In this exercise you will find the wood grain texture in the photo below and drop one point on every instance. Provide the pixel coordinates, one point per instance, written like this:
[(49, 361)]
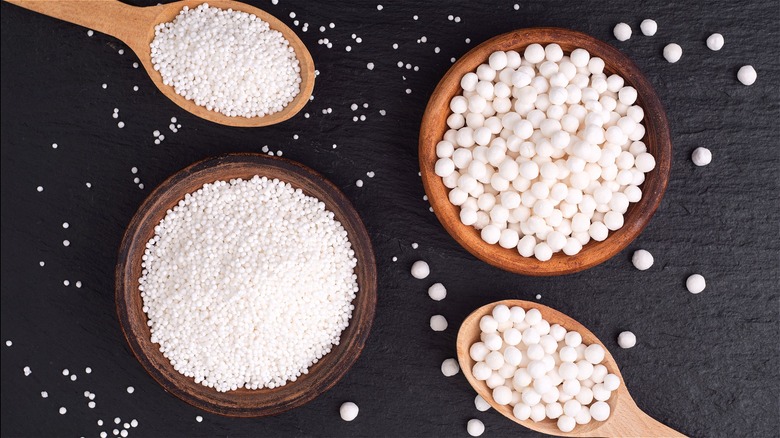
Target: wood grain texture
[(243, 402), (135, 27), (625, 420), (657, 139)]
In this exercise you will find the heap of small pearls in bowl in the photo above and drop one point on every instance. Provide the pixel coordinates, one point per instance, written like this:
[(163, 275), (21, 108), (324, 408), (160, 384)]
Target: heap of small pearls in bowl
[(541, 370), (248, 283), (544, 150)]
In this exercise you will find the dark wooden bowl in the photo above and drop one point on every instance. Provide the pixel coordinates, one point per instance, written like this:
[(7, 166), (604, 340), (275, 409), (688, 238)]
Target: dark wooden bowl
[(243, 402), (657, 138)]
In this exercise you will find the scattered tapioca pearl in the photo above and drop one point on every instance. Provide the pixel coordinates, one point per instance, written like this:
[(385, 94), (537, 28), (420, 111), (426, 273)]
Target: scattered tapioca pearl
[(121, 51), (91, 395), (701, 156), (73, 377), (66, 283), (126, 425), (54, 145), (353, 107), (89, 185), (91, 405), (100, 422), (104, 86), (622, 31), (379, 7), (370, 174), (438, 323), (626, 339), (395, 259), (44, 394), (134, 423), (747, 75), (65, 225), (382, 112), (538, 296), (348, 48), (130, 390), (135, 88), (415, 17), (86, 394), (27, 371), (42, 263), (468, 40), (88, 370), (331, 25), (117, 420), (63, 411), (437, 291), (348, 411), (420, 270), (481, 404), (370, 65), (103, 434), (123, 433), (115, 432), (295, 137), (40, 189), (672, 52), (199, 419), (450, 367), (359, 183), (408, 91), (457, 19), (136, 180), (642, 259), (415, 245), (516, 7), (135, 65), (121, 125), (648, 27), (395, 46), (475, 427), (715, 42), (90, 33), (695, 283), (65, 372), (8, 343)]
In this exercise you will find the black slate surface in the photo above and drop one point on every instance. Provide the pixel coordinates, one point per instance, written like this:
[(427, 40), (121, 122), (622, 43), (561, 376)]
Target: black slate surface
[(704, 364)]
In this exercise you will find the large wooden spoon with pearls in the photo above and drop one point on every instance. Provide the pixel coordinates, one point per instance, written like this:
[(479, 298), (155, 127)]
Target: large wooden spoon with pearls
[(625, 419), (135, 27)]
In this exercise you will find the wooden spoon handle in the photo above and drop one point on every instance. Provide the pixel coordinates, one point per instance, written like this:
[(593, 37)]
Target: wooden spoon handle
[(111, 17), (630, 421)]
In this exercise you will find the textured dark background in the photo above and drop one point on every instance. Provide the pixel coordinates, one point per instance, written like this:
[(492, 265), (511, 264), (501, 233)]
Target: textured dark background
[(704, 364)]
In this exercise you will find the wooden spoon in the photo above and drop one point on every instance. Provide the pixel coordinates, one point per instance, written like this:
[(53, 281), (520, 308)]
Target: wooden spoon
[(625, 419), (135, 27)]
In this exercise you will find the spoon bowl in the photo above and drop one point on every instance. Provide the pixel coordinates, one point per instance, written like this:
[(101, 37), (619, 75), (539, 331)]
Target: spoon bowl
[(625, 419), (135, 27)]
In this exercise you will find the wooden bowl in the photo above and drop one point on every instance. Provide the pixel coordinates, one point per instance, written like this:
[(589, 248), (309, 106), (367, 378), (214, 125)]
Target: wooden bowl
[(243, 402), (657, 138)]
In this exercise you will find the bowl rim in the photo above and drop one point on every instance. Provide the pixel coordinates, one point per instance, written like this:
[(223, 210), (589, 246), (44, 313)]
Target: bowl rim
[(432, 129), (322, 375)]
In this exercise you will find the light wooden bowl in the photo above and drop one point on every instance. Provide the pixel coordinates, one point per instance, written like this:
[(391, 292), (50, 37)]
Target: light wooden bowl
[(243, 402), (135, 27), (657, 138), (625, 419)]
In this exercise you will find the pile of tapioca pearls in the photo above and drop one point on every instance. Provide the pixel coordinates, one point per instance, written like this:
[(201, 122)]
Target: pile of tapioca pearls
[(542, 370), (544, 151)]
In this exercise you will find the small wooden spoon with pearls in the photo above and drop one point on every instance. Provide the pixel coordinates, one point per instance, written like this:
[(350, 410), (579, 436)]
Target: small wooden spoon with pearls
[(625, 419), (135, 27)]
